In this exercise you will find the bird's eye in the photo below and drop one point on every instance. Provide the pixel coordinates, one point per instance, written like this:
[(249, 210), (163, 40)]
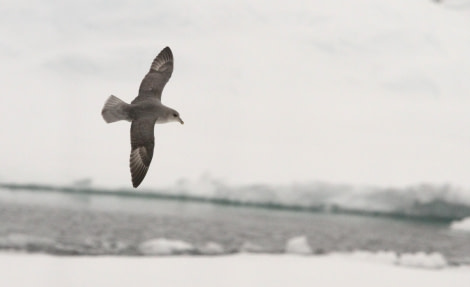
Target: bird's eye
[(175, 115)]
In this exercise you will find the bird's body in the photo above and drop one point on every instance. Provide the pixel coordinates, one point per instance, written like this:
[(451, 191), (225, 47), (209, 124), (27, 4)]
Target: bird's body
[(144, 112), (150, 109)]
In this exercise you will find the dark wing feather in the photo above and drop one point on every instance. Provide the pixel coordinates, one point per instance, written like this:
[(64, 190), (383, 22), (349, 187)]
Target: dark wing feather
[(142, 143), (160, 72)]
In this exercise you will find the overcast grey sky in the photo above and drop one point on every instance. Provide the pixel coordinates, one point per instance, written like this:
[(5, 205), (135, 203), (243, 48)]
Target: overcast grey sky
[(368, 91)]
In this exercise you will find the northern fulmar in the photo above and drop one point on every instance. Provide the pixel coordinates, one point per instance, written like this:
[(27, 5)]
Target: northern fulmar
[(144, 112)]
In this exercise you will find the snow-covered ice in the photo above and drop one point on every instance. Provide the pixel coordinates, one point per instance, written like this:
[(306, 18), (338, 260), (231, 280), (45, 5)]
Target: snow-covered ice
[(22, 270)]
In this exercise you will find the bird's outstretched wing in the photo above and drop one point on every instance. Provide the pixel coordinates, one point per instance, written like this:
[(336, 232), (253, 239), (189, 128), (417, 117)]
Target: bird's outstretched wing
[(142, 143), (160, 72)]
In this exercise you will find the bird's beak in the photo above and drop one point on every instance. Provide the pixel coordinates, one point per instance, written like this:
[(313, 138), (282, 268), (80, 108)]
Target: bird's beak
[(180, 120)]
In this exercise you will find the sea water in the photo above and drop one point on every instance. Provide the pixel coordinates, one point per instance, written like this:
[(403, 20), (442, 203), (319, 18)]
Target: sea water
[(94, 223)]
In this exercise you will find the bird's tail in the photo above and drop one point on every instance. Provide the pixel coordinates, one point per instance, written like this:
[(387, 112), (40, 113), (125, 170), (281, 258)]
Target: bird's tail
[(115, 110)]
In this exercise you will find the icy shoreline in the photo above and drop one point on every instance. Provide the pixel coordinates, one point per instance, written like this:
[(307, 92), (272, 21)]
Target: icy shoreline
[(163, 247)]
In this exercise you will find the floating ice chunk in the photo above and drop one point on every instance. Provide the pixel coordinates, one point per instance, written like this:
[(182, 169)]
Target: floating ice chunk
[(163, 246), (423, 260), (463, 224), (212, 248), (249, 247), (298, 245)]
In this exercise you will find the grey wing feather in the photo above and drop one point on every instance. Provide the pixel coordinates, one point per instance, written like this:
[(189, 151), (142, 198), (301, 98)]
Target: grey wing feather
[(142, 143), (160, 72)]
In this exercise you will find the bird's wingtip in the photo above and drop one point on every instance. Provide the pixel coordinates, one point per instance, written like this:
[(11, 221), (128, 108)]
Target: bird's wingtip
[(168, 50)]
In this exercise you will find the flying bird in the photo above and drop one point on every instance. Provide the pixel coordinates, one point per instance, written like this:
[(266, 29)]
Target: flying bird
[(144, 112)]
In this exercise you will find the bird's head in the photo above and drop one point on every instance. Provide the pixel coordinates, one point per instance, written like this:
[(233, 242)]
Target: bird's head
[(174, 116)]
